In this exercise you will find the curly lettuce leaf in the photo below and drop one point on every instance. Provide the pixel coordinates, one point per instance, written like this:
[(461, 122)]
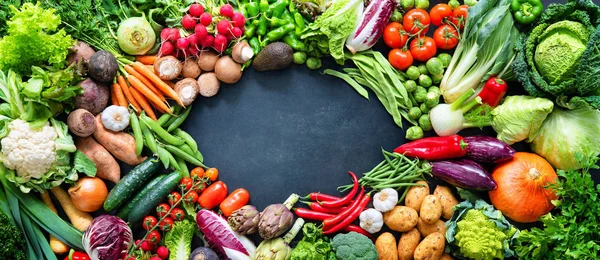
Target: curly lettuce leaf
[(179, 239)]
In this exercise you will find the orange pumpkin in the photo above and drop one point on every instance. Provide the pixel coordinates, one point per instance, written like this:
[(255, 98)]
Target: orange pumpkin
[(523, 194)]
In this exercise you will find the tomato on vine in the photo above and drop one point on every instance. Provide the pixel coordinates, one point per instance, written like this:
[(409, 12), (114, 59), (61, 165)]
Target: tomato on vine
[(416, 21), (423, 48), (162, 209), (197, 173), (153, 237), (177, 214), (174, 198), (212, 174), (394, 35), (459, 16), (166, 224), (186, 183), (400, 58), (440, 12), (149, 222), (446, 37), (191, 197)]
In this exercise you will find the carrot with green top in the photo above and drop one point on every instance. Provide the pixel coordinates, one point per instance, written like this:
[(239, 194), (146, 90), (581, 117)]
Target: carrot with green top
[(118, 92), (145, 80), (146, 59), (153, 98)]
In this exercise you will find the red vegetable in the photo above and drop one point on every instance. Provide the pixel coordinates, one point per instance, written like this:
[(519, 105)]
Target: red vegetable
[(346, 199), (317, 196), (213, 195), (435, 148), (364, 201), (312, 215), (162, 209), (177, 214), (153, 237), (174, 198), (328, 223), (73, 255), (357, 229), (237, 199), (317, 207), (149, 222), (493, 91), (166, 224)]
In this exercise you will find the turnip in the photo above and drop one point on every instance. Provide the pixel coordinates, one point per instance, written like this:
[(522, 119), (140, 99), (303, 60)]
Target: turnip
[(207, 61), (136, 36), (168, 67), (228, 70), (208, 84), (196, 10), (188, 22)]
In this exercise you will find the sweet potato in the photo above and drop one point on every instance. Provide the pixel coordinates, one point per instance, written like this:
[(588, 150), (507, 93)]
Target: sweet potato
[(107, 166), (432, 247), (119, 144), (447, 199), (416, 195), (408, 243), (446, 257), (401, 218), (431, 209), (428, 229), (386, 247)]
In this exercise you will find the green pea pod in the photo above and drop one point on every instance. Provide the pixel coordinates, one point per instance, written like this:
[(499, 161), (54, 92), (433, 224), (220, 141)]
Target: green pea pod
[(163, 156), (161, 132), (137, 133), (180, 119), (199, 156), (176, 112), (300, 25), (262, 25), (252, 9), (255, 44), (187, 157), (186, 148), (183, 167), (292, 40), (278, 33), (187, 138), (149, 138), (166, 116)]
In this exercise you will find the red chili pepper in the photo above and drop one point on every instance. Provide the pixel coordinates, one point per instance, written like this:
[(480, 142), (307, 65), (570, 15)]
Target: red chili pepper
[(317, 196), (328, 223), (435, 148), (493, 91), (73, 255), (346, 199), (317, 207), (312, 215), (353, 215), (357, 229)]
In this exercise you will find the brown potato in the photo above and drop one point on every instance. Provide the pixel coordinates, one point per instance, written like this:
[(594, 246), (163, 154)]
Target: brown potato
[(386, 247), (431, 248), (401, 218), (446, 257), (408, 243), (428, 229), (447, 199), (416, 195), (431, 209)]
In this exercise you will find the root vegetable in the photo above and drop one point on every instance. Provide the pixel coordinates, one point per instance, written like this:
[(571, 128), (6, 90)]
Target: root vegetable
[(81, 122), (242, 52), (416, 195), (191, 69), (80, 220), (447, 199), (208, 84), (228, 70), (168, 68), (431, 209), (94, 98), (187, 89), (115, 118), (408, 243), (386, 246), (103, 66), (106, 165), (119, 144), (207, 61), (88, 194), (427, 229), (401, 218), (432, 247), (80, 52), (58, 247)]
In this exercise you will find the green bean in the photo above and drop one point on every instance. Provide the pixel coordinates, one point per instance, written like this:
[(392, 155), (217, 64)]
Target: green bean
[(166, 117), (163, 155), (179, 120), (161, 132), (137, 133), (149, 138), (187, 157), (186, 148), (183, 166), (173, 163), (187, 138)]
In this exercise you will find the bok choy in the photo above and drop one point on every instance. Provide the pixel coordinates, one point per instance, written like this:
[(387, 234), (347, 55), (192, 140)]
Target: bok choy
[(486, 48)]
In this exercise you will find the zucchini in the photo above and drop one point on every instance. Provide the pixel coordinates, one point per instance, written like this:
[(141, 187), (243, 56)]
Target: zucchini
[(154, 197), (132, 182), (123, 212)]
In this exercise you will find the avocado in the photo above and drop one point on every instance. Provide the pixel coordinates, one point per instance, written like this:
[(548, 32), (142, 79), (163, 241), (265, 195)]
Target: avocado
[(274, 56)]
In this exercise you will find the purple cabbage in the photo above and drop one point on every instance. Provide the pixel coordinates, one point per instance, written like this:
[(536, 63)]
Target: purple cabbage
[(463, 173), (371, 25), (220, 237), (487, 149), (107, 238)]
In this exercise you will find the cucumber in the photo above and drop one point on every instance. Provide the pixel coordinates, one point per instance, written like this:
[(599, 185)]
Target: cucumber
[(132, 182), (123, 212), (154, 197)]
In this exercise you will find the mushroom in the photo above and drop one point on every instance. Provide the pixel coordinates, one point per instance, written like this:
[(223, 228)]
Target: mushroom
[(208, 84), (168, 68), (242, 52), (191, 69), (187, 89), (228, 70), (207, 60)]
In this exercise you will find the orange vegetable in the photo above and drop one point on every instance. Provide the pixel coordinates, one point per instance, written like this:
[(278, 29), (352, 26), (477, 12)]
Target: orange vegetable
[(146, 59), (120, 144), (159, 83), (237, 199), (125, 88), (137, 84), (108, 167), (213, 195), (144, 103), (144, 80), (523, 194), (116, 88), (88, 194), (212, 174)]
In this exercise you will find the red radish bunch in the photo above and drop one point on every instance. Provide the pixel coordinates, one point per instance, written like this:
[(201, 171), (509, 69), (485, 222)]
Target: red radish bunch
[(202, 30)]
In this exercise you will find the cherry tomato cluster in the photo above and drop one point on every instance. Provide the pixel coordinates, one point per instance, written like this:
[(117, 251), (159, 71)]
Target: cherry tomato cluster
[(408, 40), (202, 30)]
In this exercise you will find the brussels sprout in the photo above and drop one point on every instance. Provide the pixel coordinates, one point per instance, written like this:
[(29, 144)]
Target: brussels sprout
[(300, 57), (414, 113), (396, 16), (422, 4), (420, 94), (413, 72), (424, 108), (432, 99), (434, 89), (407, 4), (423, 69), (425, 81), (445, 57), (437, 78), (414, 133), (435, 66), (410, 86), (425, 123), (313, 63)]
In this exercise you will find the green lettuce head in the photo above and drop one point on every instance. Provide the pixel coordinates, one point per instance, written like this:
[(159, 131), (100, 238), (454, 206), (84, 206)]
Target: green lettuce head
[(520, 117)]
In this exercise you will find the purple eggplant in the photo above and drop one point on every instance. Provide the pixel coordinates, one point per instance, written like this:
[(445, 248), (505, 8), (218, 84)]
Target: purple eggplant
[(487, 149), (463, 173), (371, 25)]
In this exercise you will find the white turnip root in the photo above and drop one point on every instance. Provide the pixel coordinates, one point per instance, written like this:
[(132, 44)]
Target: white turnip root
[(228, 70), (187, 89), (168, 68), (208, 84)]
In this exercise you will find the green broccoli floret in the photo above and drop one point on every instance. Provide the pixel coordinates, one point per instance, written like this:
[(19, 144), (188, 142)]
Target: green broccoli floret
[(354, 246), (478, 237), (12, 243)]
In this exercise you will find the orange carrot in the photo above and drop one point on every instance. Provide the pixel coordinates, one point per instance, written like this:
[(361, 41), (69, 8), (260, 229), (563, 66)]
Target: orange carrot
[(119, 95), (150, 67), (113, 97), (125, 88), (144, 103), (171, 84), (146, 59), (137, 84), (146, 82), (159, 83)]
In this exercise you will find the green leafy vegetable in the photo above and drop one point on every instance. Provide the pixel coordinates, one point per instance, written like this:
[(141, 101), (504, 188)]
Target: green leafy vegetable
[(573, 232), (179, 239), (12, 244), (520, 118), (33, 39), (314, 245)]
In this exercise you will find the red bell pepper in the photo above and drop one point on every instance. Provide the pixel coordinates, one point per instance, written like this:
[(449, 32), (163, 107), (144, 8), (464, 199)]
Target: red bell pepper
[(493, 91), (73, 255), (435, 148)]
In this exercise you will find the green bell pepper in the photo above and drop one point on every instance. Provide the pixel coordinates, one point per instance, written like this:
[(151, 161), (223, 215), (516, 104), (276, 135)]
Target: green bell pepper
[(527, 11)]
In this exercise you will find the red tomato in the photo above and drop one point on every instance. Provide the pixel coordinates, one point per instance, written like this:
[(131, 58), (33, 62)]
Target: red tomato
[(459, 16), (186, 183), (213, 195), (400, 59), (191, 197), (446, 37), (237, 199), (149, 222), (440, 12), (162, 209), (153, 237), (174, 198), (197, 173), (212, 174), (422, 49), (166, 224), (416, 21), (177, 214), (394, 35)]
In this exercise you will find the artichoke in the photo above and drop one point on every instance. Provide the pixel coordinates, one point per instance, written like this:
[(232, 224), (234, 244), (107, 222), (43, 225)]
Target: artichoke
[(278, 248), (275, 219), (244, 220)]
